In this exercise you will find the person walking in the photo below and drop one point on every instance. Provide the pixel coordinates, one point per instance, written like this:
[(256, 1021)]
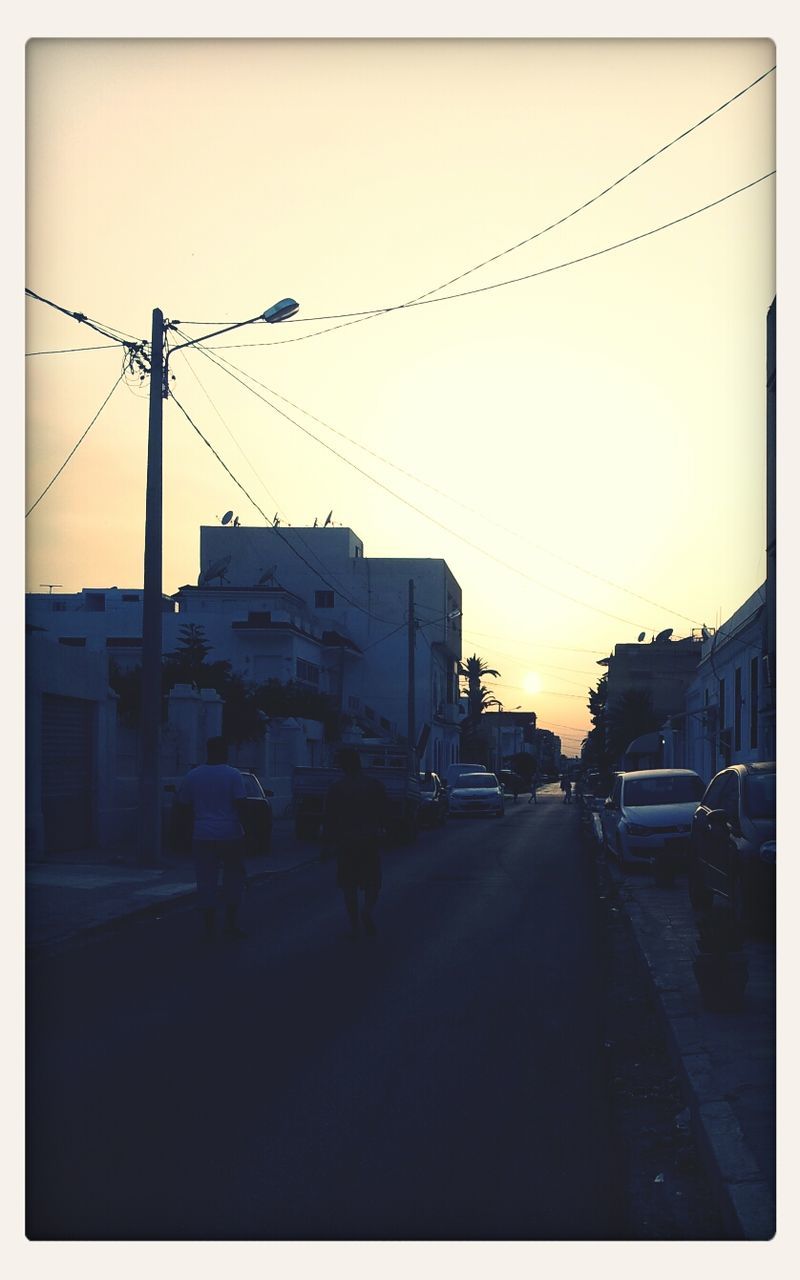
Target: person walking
[(353, 823), (214, 793), (534, 785), (566, 787)]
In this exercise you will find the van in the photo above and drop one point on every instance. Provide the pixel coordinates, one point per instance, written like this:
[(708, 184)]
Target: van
[(454, 771)]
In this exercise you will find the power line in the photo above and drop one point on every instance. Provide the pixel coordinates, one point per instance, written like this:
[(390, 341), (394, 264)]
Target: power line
[(544, 230), (502, 284), (261, 512), (76, 445), (126, 341), (64, 351), (457, 501), (433, 520)]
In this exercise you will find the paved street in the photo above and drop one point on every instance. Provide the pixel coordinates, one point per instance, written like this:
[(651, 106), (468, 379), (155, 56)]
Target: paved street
[(439, 1081)]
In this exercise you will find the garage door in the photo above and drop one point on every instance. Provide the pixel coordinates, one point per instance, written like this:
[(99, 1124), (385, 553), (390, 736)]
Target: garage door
[(66, 772)]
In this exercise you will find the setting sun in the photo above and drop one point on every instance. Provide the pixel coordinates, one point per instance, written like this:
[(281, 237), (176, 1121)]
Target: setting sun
[(532, 682)]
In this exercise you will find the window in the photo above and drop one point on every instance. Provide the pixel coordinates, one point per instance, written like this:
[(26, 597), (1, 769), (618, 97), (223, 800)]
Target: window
[(754, 702), (308, 672), (722, 704), (58, 606), (667, 789), (737, 709), (714, 791), (323, 599), (95, 602), (130, 599), (77, 642), (728, 798)]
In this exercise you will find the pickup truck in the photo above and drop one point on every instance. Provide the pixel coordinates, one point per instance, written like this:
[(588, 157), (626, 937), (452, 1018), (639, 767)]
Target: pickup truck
[(395, 767)]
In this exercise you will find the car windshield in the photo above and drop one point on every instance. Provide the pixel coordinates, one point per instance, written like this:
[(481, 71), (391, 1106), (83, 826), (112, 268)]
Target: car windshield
[(427, 784), (475, 780), (669, 789), (759, 796)]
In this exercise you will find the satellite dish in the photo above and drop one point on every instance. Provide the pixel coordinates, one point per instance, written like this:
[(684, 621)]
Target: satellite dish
[(328, 519), (267, 576), (226, 519), (216, 570), (641, 636), (663, 636)]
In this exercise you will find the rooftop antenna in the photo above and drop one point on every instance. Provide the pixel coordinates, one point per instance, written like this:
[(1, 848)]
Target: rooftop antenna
[(316, 522), (236, 522), (226, 519), (275, 520), (50, 585), (328, 518)]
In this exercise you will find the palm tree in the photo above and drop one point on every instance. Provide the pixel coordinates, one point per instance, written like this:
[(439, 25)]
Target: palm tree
[(478, 696)]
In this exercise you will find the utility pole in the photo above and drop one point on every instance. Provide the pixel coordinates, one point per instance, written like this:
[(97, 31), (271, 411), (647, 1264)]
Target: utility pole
[(152, 621), (412, 627)]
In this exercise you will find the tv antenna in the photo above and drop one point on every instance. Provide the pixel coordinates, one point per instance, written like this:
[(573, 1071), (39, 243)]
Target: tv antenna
[(50, 585), (215, 570)]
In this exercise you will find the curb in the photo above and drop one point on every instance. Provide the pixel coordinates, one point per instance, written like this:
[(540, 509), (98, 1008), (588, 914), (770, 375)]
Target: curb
[(128, 919), (745, 1198)]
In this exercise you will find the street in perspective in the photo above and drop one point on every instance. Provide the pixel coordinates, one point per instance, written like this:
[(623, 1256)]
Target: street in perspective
[(400, 843)]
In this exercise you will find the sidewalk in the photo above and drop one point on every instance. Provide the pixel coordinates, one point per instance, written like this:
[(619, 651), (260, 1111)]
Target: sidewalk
[(79, 894), (726, 1060)]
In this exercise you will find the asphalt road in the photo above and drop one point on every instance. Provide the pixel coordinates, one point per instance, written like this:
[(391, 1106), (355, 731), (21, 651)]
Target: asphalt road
[(440, 1081)]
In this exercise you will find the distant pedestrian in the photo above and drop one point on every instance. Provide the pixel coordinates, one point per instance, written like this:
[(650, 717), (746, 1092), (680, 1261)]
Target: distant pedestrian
[(353, 823), (534, 785), (566, 787), (214, 792)]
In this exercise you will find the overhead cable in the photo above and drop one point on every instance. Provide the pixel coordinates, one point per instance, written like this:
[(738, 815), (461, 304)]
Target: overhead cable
[(76, 445)]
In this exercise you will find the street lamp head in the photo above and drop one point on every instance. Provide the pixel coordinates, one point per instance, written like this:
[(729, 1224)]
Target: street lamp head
[(281, 310)]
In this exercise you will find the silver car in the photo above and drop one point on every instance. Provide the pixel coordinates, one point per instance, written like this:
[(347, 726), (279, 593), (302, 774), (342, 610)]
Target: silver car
[(476, 793), (648, 817)]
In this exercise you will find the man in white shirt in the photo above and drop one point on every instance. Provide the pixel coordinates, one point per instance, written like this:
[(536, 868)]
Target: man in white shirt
[(215, 794)]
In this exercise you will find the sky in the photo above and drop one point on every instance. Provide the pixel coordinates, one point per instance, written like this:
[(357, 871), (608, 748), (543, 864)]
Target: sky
[(584, 446)]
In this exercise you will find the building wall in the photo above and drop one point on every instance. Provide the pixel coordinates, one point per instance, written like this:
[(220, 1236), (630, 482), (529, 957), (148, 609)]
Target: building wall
[(727, 714)]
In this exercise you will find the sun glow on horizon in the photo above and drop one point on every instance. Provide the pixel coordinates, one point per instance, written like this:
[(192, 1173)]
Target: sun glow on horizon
[(532, 683)]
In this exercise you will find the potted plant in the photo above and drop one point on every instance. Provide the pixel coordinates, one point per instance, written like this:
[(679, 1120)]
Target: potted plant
[(720, 965)]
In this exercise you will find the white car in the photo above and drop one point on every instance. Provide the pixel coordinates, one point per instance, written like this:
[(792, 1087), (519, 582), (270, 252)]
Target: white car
[(476, 793), (454, 771), (647, 819)]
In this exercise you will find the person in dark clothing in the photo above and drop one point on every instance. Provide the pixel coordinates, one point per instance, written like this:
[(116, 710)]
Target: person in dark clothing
[(566, 787), (534, 785), (353, 823)]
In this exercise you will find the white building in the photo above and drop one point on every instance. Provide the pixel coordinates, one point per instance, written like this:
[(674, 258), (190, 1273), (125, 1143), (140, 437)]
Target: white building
[(360, 609)]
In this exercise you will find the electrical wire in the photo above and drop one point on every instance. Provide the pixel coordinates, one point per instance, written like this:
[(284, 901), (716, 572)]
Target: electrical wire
[(261, 512), (559, 222), (502, 284), (64, 351), (432, 519), (77, 444), (106, 332), (457, 501)]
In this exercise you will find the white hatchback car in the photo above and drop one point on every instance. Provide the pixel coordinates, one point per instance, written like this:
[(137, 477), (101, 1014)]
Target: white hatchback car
[(648, 817), (476, 793)]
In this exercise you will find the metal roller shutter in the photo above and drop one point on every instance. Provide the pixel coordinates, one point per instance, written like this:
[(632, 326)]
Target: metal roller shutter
[(66, 772)]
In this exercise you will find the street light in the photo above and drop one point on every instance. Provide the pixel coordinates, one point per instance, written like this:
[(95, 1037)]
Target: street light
[(150, 721)]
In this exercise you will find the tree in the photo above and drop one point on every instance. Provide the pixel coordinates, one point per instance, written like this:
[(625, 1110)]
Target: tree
[(478, 696), (628, 717)]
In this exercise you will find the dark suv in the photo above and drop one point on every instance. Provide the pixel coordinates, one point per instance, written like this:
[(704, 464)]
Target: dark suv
[(732, 845)]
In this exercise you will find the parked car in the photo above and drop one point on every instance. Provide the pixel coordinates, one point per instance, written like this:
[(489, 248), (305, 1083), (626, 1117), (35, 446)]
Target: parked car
[(732, 845), (454, 771), (433, 800), (648, 817), (256, 820), (476, 793)]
